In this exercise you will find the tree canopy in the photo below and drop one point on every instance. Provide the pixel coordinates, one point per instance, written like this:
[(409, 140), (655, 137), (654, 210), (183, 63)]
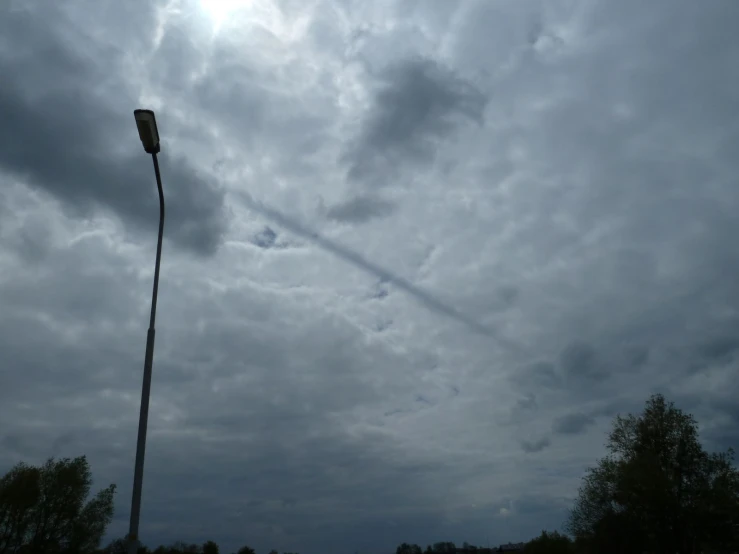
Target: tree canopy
[(657, 489), (45, 509), (549, 543)]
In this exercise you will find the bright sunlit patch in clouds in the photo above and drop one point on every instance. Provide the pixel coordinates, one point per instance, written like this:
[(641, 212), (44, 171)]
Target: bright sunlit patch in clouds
[(220, 10)]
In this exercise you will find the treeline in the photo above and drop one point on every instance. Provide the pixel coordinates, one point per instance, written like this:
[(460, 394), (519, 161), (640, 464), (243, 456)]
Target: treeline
[(436, 548), (445, 548), (120, 546), (656, 491)]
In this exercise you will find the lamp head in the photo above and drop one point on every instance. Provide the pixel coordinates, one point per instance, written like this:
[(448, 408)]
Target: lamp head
[(146, 123)]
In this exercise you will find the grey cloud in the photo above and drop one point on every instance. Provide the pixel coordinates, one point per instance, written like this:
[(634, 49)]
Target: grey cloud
[(271, 417), (63, 127), (266, 419), (328, 473), (508, 294), (379, 291), (32, 240), (344, 253), (638, 356), (539, 374), (572, 424), (418, 103), (579, 363), (265, 238), (528, 402), (719, 348), (360, 209), (531, 447)]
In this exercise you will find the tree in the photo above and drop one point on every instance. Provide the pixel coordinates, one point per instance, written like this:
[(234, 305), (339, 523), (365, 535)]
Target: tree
[(44, 509), (210, 547), (185, 548), (120, 546), (657, 489), (250, 550), (549, 543), (406, 548)]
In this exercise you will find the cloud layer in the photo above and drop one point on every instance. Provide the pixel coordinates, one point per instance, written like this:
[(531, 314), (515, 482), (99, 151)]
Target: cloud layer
[(418, 255)]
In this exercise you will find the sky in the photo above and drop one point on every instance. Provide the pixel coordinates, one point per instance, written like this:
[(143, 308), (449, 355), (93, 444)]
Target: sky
[(417, 256)]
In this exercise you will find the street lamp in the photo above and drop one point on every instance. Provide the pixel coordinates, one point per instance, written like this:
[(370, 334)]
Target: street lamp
[(149, 135)]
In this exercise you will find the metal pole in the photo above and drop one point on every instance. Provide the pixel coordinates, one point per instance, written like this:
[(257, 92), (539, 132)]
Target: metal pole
[(138, 476)]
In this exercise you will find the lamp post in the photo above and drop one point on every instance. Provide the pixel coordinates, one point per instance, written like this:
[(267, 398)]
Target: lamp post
[(149, 135)]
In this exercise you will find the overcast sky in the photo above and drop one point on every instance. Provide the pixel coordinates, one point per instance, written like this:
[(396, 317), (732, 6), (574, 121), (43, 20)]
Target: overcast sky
[(418, 254)]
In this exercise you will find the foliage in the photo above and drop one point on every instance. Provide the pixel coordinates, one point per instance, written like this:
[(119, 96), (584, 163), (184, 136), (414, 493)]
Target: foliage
[(210, 548), (657, 490), (406, 548), (120, 546), (549, 543), (44, 509), (180, 547)]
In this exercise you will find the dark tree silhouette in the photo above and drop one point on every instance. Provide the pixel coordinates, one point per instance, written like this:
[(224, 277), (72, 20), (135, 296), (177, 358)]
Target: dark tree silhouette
[(45, 509), (549, 543), (657, 490), (406, 548), (210, 547), (120, 546)]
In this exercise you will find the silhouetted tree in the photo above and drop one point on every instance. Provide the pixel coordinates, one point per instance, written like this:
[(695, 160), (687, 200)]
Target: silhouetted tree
[(444, 548), (187, 548), (549, 543), (406, 548), (44, 509), (250, 550), (120, 546), (657, 489)]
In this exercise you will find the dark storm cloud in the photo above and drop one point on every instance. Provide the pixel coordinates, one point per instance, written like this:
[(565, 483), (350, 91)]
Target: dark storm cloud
[(419, 102), (531, 447), (360, 209), (65, 119), (572, 424)]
